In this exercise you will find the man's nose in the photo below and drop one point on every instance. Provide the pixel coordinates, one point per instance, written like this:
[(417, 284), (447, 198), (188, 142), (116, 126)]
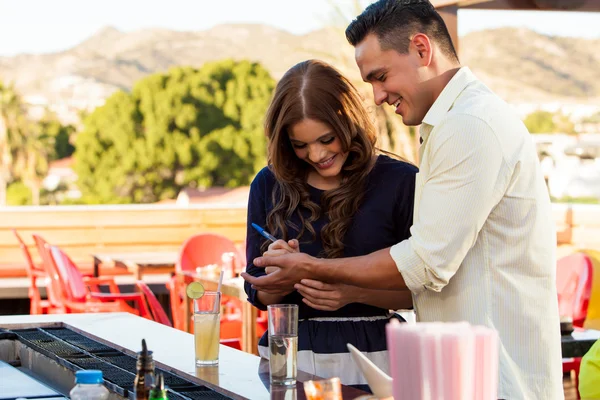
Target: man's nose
[(379, 95)]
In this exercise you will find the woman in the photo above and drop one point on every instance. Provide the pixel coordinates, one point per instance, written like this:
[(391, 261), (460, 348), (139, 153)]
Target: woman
[(327, 186)]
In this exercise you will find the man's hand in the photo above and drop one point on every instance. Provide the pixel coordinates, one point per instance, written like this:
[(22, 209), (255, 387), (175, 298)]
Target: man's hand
[(326, 296), (291, 269)]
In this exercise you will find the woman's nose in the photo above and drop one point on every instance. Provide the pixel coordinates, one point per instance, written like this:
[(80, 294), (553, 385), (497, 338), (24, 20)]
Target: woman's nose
[(316, 153)]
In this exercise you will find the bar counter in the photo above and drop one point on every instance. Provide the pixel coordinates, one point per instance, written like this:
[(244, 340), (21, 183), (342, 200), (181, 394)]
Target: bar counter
[(239, 375)]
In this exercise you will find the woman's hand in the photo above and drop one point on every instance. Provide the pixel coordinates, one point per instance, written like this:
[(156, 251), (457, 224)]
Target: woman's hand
[(326, 296), (280, 247)]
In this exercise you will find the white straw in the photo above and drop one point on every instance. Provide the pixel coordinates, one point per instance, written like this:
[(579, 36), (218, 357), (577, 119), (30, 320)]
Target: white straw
[(220, 281), (217, 305)]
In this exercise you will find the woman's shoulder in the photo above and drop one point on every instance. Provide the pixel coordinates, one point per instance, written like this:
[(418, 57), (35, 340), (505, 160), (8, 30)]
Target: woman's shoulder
[(264, 178), (388, 165)]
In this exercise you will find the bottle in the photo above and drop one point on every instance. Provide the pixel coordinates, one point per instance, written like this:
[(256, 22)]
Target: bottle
[(89, 385), (159, 392), (144, 378)]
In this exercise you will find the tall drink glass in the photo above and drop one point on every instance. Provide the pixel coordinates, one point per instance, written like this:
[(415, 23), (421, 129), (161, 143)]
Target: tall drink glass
[(283, 343), (207, 328)]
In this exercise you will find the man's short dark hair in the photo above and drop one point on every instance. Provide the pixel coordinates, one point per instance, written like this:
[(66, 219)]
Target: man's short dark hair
[(394, 22)]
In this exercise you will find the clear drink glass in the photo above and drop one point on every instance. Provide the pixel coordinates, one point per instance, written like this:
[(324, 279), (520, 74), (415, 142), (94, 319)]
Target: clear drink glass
[(283, 343), (207, 328)]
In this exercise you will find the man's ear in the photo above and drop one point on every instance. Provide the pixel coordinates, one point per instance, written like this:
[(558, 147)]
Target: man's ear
[(423, 48)]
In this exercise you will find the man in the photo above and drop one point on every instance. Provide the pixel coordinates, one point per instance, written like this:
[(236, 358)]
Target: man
[(483, 239)]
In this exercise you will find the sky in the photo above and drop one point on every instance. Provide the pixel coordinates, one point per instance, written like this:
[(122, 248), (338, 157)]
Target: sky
[(45, 26)]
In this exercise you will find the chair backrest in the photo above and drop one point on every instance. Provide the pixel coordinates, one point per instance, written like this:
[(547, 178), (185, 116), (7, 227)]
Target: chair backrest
[(205, 249), (574, 286), (158, 313), (54, 289), (33, 272), (176, 300), (30, 266), (71, 277)]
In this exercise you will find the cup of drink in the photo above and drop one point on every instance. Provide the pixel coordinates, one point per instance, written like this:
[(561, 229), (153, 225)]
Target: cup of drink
[(327, 389), (283, 343), (207, 328)]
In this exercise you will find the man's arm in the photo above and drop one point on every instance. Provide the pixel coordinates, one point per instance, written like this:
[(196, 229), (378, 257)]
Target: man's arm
[(375, 271)]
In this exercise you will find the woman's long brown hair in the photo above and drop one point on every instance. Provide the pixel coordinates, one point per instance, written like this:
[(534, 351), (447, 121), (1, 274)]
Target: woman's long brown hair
[(313, 89)]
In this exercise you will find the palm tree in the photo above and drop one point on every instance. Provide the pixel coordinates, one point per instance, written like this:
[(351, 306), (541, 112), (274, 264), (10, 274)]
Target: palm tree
[(31, 146), (24, 145), (10, 109)]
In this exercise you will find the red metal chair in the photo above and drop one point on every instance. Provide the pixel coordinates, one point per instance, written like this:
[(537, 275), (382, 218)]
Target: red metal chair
[(205, 249), (230, 328), (199, 251), (157, 310), (34, 272), (54, 290), (77, 293), (574, 287), (84, 294)]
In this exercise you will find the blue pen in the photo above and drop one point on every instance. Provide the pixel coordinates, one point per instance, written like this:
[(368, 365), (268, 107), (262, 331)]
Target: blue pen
[(263, 232)]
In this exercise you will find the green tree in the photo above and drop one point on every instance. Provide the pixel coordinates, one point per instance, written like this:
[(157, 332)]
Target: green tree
[(183, 128), (18, 194), (592, 119), (59, 136), (548, 122)]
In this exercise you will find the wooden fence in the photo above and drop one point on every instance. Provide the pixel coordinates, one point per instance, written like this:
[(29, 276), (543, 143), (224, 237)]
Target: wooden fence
[(84, 230)]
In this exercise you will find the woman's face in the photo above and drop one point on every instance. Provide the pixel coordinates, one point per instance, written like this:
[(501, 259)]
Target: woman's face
[(316, 143)]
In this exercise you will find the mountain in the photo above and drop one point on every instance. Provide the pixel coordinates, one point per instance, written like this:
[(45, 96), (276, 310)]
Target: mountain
[(522, 65), (519, 64)]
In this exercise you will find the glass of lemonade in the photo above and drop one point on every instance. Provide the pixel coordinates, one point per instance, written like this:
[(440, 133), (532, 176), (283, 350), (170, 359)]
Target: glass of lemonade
[(207, 328), (283, 343)]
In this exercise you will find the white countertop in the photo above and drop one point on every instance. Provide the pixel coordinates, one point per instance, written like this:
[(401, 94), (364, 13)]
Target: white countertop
[(238, 372)]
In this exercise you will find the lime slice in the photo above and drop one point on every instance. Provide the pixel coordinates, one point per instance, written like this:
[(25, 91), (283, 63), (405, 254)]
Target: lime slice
[(194, 290)]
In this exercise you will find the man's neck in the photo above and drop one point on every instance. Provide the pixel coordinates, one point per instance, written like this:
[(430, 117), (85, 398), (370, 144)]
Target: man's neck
[(441, 80)]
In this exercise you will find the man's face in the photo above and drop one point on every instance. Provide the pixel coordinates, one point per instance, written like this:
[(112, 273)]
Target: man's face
[(397, 79)]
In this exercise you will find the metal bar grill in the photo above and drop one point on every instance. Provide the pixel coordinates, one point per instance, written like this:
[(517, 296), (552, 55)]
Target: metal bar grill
[(75, 351)]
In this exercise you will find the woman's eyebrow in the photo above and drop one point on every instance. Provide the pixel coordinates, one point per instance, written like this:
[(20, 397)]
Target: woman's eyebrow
[(319, 138)]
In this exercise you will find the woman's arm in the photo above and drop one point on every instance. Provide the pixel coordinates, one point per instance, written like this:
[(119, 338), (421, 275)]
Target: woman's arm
[(257, 213), (331, 297)]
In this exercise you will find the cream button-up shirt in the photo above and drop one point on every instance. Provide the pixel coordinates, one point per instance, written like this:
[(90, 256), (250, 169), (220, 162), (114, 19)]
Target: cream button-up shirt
[(483, 239)]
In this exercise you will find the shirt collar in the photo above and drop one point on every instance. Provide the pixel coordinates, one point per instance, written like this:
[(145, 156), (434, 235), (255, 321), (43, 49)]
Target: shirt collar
[(446, 99)]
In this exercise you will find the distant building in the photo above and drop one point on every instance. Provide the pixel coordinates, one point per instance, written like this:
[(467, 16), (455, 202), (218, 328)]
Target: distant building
[(214, 195), (570, 164), (588, 127), (61, 177)]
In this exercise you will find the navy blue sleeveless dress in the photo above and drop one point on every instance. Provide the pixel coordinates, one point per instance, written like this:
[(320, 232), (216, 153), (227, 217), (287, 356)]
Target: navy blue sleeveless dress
[(383, 219)]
